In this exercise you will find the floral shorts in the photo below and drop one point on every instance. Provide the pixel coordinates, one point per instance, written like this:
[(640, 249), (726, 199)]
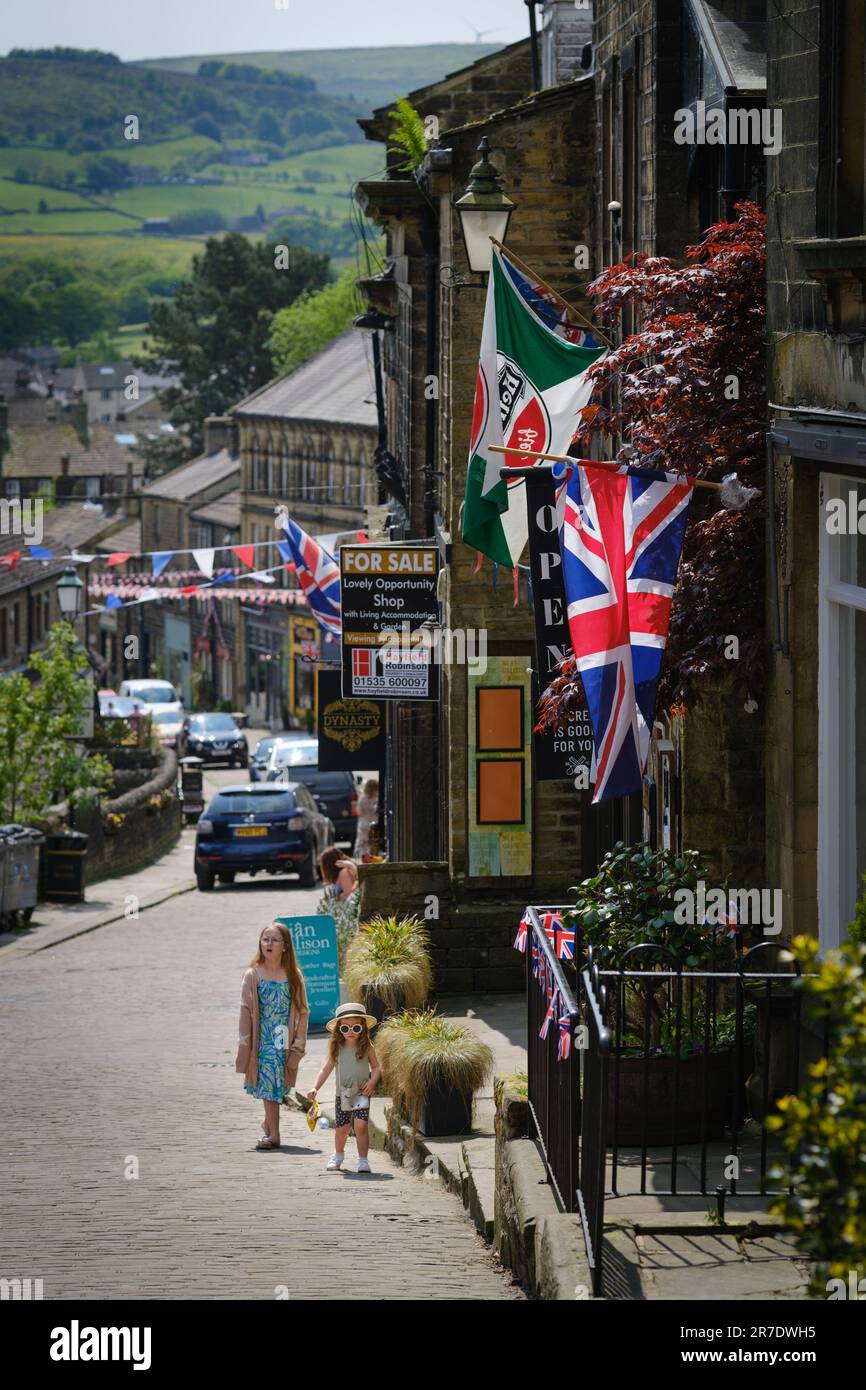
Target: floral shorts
[(345, 1117)]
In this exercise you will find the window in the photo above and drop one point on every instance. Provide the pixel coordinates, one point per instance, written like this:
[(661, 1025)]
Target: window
[(845, 96), (841, 713)]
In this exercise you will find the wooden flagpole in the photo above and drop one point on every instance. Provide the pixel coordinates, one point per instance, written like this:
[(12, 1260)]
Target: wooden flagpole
[(536, 279), (598, 463)]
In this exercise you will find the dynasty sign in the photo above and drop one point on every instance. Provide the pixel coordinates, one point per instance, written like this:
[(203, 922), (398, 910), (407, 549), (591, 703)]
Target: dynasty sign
[(351, 732), (387, 594)]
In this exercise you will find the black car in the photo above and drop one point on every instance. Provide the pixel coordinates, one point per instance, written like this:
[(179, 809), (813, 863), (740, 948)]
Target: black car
[(258, 828), (335, 794), (216, 738), (260, 757)]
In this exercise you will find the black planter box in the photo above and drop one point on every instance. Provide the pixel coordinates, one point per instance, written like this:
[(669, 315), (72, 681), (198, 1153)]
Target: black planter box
[(445, 1113)]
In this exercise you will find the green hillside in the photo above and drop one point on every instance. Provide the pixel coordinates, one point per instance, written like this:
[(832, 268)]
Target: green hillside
[(368, 77)]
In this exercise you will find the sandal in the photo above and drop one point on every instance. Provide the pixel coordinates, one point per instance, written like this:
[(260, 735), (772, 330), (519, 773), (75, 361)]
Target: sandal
[(266, 1142)]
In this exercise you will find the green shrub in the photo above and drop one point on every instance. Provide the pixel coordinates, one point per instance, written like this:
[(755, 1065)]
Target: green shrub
[(823, 1128), (419, 1050), (632, 899), (389, 958)]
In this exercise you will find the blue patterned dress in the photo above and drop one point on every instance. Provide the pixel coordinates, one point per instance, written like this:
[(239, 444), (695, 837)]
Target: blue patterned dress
[(274, 1006)]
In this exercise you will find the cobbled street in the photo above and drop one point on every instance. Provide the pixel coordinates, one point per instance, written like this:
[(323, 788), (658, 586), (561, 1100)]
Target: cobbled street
[(133, 1143)]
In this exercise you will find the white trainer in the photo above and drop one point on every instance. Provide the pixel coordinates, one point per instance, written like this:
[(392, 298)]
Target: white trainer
[(364, 1165), (334, 1162)]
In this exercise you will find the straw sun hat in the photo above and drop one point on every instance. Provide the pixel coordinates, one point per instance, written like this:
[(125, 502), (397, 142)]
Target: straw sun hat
[(350, 1011)]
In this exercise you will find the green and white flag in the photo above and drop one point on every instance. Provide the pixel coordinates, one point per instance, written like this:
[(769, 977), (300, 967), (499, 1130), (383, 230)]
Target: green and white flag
[(530, 386)]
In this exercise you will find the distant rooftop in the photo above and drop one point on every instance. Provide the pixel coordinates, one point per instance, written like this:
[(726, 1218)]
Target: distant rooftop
[(225, 511), (334, 387), (184, 482)]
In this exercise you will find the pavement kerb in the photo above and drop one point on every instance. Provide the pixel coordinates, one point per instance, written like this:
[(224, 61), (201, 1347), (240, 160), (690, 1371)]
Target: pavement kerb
[(26, 946)]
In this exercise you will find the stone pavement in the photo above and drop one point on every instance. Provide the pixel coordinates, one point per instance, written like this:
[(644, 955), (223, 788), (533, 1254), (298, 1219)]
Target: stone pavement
[(128, 1142)]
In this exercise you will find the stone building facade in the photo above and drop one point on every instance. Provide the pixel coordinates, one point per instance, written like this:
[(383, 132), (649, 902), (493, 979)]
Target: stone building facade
[(539, 146), (816, 724), (307, 442)]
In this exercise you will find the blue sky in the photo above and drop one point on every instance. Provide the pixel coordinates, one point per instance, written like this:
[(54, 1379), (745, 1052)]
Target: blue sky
[(170, 28)]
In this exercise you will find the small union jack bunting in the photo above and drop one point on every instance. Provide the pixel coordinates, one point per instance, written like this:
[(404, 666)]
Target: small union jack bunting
[(535, 958), (564, 943), (550, 922), (549, 1016), (520, 939), (564, 1048)]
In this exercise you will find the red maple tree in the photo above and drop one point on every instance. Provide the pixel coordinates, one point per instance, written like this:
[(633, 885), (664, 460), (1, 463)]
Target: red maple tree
[(686, 393)]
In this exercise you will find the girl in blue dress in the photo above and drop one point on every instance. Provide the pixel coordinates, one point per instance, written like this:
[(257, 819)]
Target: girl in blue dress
[(272, 1032)]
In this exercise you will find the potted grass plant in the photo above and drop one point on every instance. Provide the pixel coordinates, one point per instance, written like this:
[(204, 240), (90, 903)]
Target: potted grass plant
[(432, 1069), (388, 965)]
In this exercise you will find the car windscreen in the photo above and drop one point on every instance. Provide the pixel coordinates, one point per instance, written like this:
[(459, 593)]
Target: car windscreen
[(323, 783), (264, 746), (166, 716), (304, 754), (156, 694), (213, 724), (246, 803)]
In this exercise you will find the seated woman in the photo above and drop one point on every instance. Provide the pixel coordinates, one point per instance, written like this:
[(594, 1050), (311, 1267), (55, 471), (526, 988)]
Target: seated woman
[(339, 873)]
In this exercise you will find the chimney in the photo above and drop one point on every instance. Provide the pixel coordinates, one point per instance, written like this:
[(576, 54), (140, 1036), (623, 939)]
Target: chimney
[(64, 465), (221, 432)]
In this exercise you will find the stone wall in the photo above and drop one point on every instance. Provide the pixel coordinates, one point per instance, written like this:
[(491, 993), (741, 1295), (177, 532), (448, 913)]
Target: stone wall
[(638, 42), (147, 831), (545, 161)]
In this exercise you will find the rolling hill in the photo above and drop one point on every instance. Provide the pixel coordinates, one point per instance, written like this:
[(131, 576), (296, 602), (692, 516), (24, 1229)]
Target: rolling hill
[(371, 76)]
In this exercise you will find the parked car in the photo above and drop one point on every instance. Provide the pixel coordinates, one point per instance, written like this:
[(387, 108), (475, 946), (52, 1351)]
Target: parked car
[(298, 753), (153, 694), (256, 828), (335, 794), (259, 759), (216, 738), (170, 728)]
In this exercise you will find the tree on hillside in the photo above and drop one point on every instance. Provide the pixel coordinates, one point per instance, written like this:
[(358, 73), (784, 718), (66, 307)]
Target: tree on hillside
[(313, 321), (215, 334)]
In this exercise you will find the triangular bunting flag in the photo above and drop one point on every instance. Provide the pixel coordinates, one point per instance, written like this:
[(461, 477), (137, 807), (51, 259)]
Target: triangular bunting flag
[(113, 601), (247, 553), (11, 560), (38, 552), (119, 557), (263, 577), (160, 560), (204, 560)]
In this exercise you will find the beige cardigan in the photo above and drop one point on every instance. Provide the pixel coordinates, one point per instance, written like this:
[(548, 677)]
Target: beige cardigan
[(247, 1060)]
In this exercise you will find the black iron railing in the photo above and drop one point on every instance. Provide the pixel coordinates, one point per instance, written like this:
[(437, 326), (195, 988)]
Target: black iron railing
[(670, 1075), (554, 1085)]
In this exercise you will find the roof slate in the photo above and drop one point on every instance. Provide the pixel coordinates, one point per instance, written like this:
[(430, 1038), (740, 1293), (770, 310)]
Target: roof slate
[(334, 387)]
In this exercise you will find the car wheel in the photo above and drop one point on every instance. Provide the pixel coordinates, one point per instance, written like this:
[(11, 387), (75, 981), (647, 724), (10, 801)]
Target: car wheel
[(204, 880), (227, 876), (307, 875)]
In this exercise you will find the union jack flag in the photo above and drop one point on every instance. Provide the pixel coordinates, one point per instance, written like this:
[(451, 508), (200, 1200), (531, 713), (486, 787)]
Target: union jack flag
[(564, 1048), (535, 958), (621, 537), (319, 577), (520, 939), (551, 922), (564, 943), (552, 1007)]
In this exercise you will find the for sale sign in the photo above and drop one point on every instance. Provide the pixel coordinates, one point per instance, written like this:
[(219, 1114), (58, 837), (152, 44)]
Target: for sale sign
[(389, 609)]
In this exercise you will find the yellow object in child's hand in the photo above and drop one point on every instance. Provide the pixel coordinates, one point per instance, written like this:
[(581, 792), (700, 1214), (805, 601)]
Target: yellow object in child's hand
[(313, 1115)]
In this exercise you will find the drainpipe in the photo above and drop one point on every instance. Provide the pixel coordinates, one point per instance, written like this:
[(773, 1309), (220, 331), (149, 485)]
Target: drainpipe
[(533, 45)]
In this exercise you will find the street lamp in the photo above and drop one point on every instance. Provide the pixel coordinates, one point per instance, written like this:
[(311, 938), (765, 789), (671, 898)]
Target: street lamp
[(484, 212), (70, 591)]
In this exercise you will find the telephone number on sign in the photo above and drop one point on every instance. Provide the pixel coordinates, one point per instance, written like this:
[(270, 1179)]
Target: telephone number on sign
[(400, 681)]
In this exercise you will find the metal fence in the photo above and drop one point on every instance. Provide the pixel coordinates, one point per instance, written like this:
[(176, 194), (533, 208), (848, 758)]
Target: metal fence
[(669, 1077), (554, 1085)]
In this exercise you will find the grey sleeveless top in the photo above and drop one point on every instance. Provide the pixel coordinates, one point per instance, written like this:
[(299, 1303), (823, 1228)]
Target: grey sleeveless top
[(353, 1072)]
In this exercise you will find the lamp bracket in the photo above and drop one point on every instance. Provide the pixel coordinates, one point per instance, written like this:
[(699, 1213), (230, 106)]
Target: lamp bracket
[(449, 281)]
